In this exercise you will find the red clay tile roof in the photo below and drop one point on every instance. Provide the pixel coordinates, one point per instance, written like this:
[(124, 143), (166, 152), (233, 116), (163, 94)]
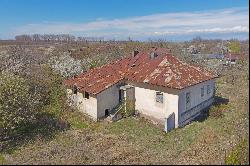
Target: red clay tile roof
[(237, 56), (164, 70)]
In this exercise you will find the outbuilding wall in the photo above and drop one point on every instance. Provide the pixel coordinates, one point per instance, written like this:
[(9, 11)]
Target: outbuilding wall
[(87, 106), (107, 99)]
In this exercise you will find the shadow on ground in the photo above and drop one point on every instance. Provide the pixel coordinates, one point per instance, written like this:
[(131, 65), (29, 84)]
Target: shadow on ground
[(44, 127), (205, 113)]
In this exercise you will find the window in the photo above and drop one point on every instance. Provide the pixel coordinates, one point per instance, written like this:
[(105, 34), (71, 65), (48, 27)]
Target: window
[(159, 97), (202, 91), (188, 99), (86, 95), (208, 89), (74, 89)]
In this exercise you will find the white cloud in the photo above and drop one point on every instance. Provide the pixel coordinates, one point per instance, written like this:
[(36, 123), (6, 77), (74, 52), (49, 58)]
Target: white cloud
[(214, 21)]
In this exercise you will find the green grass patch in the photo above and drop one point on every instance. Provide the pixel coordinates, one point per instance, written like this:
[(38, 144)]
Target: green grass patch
[(145, 134), (76, 123), (2, 160), (217, 111), (239, 155), (77, 120)]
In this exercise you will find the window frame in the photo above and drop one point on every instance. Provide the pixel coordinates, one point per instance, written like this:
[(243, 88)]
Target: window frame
[(188, 102), (157, 99), (208, 89), (202, 91)]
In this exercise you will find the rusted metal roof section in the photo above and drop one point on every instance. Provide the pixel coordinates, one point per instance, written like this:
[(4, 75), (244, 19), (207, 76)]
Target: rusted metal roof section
[(163, 70)]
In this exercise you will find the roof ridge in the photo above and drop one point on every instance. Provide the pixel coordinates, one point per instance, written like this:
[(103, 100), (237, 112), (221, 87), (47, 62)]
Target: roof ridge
[(142, 68)]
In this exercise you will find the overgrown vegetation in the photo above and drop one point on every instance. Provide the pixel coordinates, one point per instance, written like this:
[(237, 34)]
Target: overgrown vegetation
[(218, 111), (32, 79), (127, 108), (17, 103)]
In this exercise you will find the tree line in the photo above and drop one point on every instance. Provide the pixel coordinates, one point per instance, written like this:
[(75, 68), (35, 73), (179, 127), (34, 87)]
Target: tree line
[(56, 38)]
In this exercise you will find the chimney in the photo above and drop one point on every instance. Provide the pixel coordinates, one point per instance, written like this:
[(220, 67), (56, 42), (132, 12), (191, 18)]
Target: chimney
[(153, 48), (135, 52), (153, 55)]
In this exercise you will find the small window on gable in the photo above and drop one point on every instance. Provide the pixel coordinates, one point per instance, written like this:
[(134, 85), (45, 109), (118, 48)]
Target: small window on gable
[(188, 99), (74, 89), (202, 91), (86, 95), (208, 89), (159, 97)]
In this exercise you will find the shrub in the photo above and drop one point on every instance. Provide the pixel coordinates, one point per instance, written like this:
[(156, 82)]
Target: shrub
[(17, 104), (66, 65), (129, 108), (93, 64), (54, 91)]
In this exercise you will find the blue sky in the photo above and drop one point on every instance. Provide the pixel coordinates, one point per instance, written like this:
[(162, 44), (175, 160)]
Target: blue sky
[(119, 19)]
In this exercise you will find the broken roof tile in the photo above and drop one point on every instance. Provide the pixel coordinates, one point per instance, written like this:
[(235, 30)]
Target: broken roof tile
[(164, 70)]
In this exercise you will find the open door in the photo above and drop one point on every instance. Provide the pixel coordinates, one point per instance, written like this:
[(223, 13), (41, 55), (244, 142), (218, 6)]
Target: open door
[(107, 112), (120, 95)]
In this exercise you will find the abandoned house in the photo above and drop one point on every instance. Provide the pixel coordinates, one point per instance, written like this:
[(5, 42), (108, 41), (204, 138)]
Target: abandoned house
[(231, 58), (161, 88)]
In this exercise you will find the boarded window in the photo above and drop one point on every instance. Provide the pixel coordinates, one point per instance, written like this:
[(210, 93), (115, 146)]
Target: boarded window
[(208, 89), (188, 99), (86, 95), (159, 97), (202, 91)]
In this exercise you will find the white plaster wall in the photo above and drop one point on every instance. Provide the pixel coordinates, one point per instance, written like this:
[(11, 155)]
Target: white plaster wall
[(195, 95), (146, 104), (107, 99), (172, 106), (87, 106)]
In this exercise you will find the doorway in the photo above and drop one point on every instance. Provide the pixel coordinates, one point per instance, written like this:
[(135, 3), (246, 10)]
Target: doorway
[(121, 95), (106, 112), (170, 123)]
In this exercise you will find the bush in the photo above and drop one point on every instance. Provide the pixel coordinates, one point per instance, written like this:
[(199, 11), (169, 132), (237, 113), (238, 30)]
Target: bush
[(129, 109), (93, 64), (66, 65), (48, 85), (17, 103)]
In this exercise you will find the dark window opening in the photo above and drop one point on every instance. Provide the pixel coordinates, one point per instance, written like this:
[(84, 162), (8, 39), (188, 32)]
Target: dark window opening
[(106, 112), (188, 99), (86, 95), (74, 89), (202, 91)]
